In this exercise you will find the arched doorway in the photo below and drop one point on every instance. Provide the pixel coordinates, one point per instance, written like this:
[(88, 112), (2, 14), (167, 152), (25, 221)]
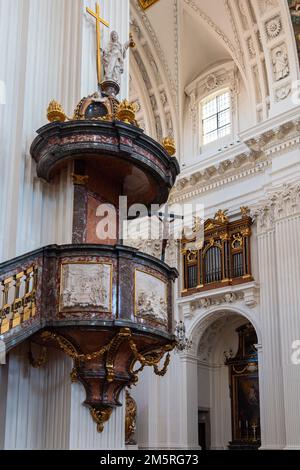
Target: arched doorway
[(228, 385)]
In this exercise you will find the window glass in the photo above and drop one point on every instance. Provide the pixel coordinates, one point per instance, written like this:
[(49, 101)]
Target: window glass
[(216, 118)]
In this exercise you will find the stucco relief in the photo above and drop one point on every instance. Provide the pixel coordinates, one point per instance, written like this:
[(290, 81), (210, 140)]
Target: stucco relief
[(280, 203), (280, 62), (273, 27), (150, 297), (251, 47), (85, 285), (163, 98), (283, 92), (265, 5)]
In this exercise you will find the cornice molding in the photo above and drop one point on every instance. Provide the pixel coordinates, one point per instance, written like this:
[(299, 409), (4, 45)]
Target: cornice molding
[(247, 294), (213, 179), (270, 124), (262, 148)]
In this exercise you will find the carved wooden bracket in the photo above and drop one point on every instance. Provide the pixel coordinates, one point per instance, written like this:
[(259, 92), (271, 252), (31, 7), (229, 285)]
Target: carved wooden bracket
[(104, 360)]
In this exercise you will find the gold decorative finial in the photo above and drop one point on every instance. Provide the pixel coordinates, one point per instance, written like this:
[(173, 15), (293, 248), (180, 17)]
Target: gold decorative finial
[(221, 216), (244, 211), (126, 112), (99, 20), (55, 112), (169, 144)]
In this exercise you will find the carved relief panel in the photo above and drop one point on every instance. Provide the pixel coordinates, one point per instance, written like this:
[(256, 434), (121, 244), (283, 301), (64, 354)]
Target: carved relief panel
[(85, 285), (150, 297)]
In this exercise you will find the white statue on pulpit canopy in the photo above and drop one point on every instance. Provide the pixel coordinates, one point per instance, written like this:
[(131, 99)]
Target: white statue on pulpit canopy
[(113, 58)]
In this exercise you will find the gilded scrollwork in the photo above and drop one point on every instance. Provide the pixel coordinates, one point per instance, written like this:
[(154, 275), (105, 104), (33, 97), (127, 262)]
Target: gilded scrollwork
[(100, 416), (130, 419), (109, 353)]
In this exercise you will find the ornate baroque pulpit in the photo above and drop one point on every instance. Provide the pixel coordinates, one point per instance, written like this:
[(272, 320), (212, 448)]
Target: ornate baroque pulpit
[(107, 306)]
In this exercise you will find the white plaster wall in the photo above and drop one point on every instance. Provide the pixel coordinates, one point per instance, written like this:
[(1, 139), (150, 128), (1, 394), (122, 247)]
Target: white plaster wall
[(47, 52), (34, 47), (44, 409), (160, 408)]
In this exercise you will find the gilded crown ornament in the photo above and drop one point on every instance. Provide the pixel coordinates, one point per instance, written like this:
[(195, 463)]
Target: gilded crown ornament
[(55, 112), (245, 211), (126, 112), (221, 216), (169, 144)]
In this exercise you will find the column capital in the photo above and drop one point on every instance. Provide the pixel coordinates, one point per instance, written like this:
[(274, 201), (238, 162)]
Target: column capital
[(280, 202)]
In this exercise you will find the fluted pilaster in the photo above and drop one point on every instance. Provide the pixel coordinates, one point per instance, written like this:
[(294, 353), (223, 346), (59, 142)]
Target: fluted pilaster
[(278, 219), (269, 353), (288, 258), (47, 51), (44, 409), (3, 394)]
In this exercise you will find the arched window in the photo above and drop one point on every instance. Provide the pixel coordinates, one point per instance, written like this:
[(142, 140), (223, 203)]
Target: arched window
[(215, 117)]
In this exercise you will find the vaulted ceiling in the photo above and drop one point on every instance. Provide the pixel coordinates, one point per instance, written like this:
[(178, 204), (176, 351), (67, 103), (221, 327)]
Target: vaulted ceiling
[(179, 40)]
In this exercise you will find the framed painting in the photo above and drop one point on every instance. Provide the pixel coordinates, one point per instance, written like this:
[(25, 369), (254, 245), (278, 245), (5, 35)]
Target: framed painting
[(245, 402)]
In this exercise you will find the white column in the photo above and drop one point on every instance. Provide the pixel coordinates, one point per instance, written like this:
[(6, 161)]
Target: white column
[(44, 409), (25, 407), (220, 407), (83, 430), (279, 258), (37, 65), (160, 409), (288, 262), (269, 351), (173, 400), (47, 52), (151, 414), (189, 404), (3, 395)]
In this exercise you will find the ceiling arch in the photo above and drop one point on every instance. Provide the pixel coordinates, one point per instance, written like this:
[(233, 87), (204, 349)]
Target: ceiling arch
[(151, 87), (177, 40)]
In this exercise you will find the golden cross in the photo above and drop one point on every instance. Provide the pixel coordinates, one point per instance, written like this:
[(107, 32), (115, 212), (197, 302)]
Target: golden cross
[(99, 20)]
